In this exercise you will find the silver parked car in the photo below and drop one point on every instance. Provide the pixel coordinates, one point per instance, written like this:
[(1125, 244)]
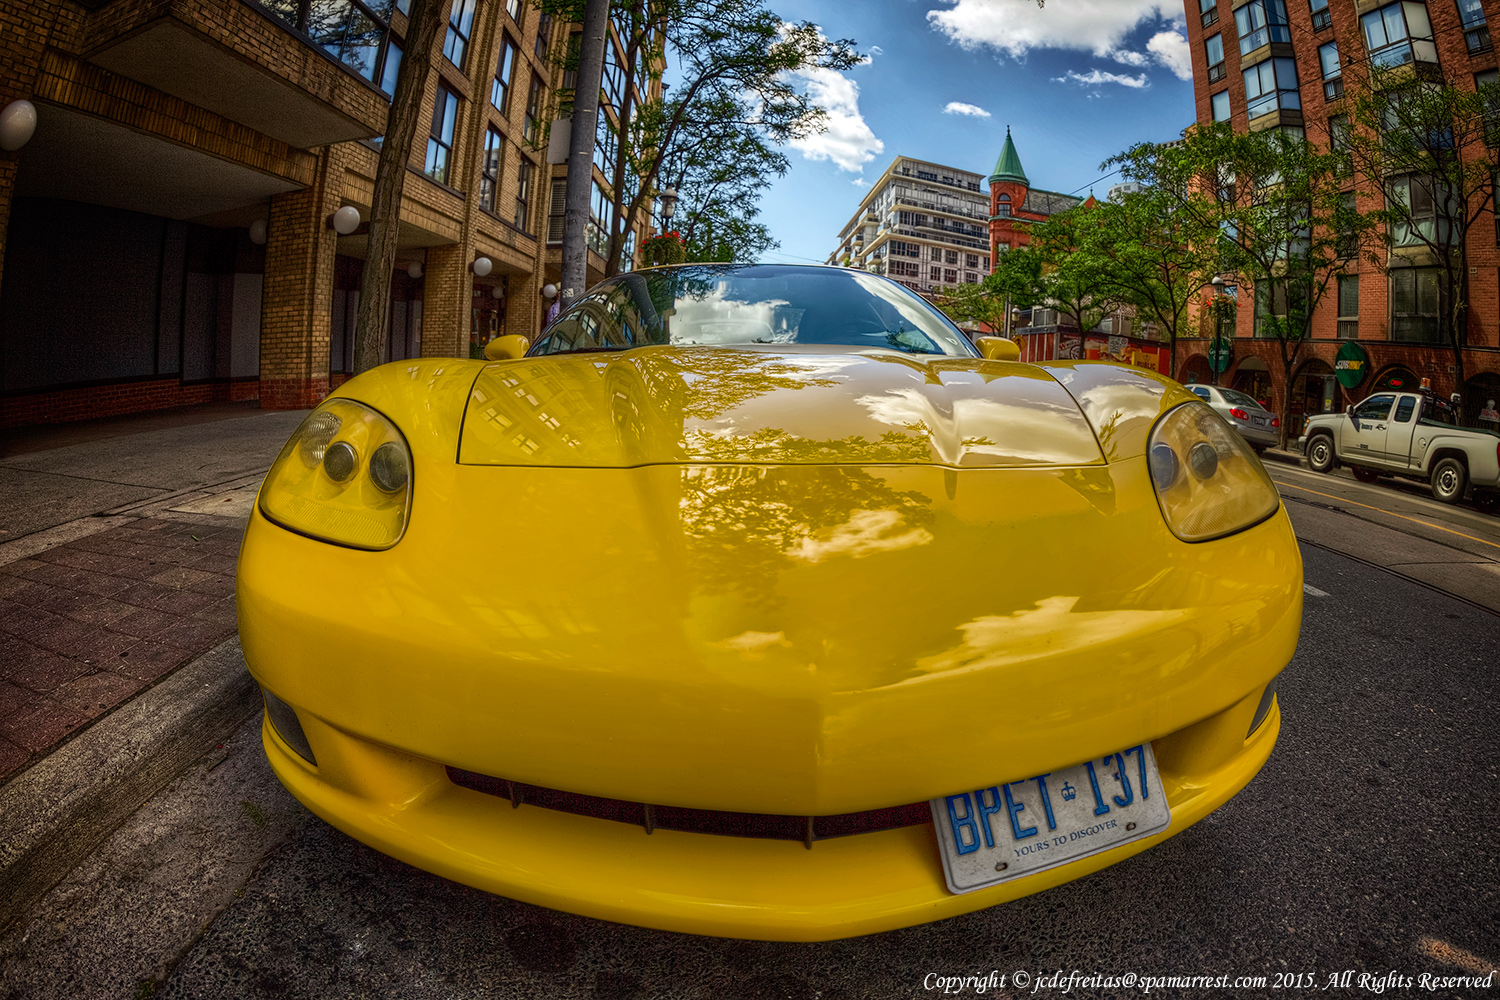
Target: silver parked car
[(1256, 424)]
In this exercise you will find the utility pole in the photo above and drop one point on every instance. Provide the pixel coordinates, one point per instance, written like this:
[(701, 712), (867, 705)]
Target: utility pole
[(575, 252)]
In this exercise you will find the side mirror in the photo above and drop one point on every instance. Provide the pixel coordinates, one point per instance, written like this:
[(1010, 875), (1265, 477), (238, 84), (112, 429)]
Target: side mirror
[(506, 348), (1349, 410), (998, 348)]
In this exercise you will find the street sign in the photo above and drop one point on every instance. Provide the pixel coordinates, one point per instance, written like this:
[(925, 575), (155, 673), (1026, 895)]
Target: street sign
[(1220, 353), (1351, 364)]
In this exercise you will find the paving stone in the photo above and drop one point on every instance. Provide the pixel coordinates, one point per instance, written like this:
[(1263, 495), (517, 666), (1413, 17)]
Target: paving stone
[(93, 694), (193, 633), (18, 654), (46, 673), (180, 578), (103, 646), (90, 609), (214, 563), (64, 636), (11, 758), (144, 622), (20, 567), (23, 591), (149, 659), (14, 699), (101, 584), (28, 623), (39, 725)]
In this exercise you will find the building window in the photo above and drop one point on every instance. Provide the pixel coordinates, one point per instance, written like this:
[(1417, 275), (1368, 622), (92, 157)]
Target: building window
[(971, 260), (489, 170), (1348, 242), (950, 257), (1002, 204), (935, 273), (1489, 79), (1333, 72), (505, 71), (1213, 51), (1426, 207), (605, 146), (515, 8), (354, 34), (1271, 86), (971, 278), (523, 192), (1476, 33), (1399, 33), (460, 23), (533, 110), (1220, 105), (440, 137), (1209, 11), (950, 276), (543, 35), (937, 254), (1348, 306), (1416, 301), (392, 67), (1278, 310), (901, 248), (1321, 19), (1261, 22)]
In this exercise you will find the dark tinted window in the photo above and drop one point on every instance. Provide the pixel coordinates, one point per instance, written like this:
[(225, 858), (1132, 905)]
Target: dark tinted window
[(1375, 408), (1404, 409), (714, 305)]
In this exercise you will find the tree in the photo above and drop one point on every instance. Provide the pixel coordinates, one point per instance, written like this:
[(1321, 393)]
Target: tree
[(1430, 148), (1285, 226), (1075, 280), (1156, 251), (372, 320), (737, 64), (1015, 283)]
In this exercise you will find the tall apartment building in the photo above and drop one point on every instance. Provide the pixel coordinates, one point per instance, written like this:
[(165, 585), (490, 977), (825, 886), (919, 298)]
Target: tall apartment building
[(1261, 64), (921, 223), (166, 236)]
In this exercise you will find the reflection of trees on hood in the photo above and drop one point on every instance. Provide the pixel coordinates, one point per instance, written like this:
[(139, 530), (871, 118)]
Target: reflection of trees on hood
[(745, 525), (706, 383)]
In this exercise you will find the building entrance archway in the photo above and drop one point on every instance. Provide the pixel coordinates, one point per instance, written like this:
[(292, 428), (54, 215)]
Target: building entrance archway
[(1314, 390), (1253, 378)]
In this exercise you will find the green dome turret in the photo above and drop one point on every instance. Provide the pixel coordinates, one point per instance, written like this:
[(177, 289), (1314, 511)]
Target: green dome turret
[(1008, 167)]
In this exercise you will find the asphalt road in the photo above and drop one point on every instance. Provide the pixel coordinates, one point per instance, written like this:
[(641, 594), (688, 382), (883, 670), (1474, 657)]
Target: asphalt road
[(1367, 844)]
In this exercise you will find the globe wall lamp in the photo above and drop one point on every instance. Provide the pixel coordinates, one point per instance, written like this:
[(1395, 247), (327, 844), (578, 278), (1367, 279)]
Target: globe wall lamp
[(258, 232), (498, 292), (549, 291), (414, 269), (482, 266), (17, 125), (345, 221)]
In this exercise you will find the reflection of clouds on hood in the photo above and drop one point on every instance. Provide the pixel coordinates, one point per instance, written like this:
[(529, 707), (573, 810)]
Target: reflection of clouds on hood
[(1049, 629), (867, 532), (715, 318), (1018, 433)]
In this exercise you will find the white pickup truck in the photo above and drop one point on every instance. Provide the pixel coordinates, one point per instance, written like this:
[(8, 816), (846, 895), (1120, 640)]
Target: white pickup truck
[(1404, 434)]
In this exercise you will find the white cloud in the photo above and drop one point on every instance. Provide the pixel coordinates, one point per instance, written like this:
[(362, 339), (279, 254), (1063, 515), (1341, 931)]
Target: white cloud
[(1015, 27), (1095, 77), (1171, 50), (845, 139), (860, 182), (876, 50), (1130, 58), (960, 108)]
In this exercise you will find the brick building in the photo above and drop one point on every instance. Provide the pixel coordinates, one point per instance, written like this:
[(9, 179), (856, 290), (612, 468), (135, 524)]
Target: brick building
[(165, 235), (1262, 64)]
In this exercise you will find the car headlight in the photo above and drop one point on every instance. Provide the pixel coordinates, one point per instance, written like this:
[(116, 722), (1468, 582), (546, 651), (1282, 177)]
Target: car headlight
[(344, 477), (1209, 482)]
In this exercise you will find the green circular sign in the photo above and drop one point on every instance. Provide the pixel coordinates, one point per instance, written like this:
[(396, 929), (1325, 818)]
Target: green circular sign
[(1220, 353), (1351, 365)]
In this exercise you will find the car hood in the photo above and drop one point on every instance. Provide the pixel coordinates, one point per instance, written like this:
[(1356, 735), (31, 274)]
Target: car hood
[(779, 406)]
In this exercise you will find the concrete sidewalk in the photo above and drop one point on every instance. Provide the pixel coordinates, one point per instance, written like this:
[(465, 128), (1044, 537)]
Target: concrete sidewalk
[(118, 542)]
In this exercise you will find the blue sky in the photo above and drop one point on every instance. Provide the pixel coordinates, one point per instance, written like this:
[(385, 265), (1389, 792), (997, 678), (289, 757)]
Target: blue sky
[(1076, 81)]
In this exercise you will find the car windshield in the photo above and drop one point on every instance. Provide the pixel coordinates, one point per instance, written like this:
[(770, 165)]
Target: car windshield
[(723, 304), (1236, 398)]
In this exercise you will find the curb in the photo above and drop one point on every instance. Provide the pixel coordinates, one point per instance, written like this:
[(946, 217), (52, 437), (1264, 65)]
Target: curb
[(58, 810)]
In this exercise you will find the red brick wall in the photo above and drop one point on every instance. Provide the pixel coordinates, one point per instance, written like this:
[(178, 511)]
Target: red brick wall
[(89, 402)]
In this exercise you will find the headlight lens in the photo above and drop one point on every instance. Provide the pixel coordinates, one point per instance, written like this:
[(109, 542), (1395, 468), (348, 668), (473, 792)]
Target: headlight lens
[(1209, 482), (344, 477)]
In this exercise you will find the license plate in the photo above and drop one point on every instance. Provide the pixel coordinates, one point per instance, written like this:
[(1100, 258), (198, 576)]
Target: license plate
[(1258, 421), (1003, 832)]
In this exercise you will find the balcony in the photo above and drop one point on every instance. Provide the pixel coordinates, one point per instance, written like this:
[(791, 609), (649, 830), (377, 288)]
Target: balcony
[(240, 60)]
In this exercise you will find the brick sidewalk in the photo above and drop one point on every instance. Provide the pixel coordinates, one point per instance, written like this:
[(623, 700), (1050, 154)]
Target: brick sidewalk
[(87, 624)]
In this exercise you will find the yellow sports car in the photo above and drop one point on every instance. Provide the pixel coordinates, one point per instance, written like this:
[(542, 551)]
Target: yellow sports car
[(755, 601)]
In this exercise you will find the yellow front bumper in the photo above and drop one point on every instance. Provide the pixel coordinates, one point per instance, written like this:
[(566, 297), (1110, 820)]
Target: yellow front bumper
[(739, 887)]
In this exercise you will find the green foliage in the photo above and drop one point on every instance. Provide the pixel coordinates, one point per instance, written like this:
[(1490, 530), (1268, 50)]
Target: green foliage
[(668, 248), (717, 135), (1431, 148)]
